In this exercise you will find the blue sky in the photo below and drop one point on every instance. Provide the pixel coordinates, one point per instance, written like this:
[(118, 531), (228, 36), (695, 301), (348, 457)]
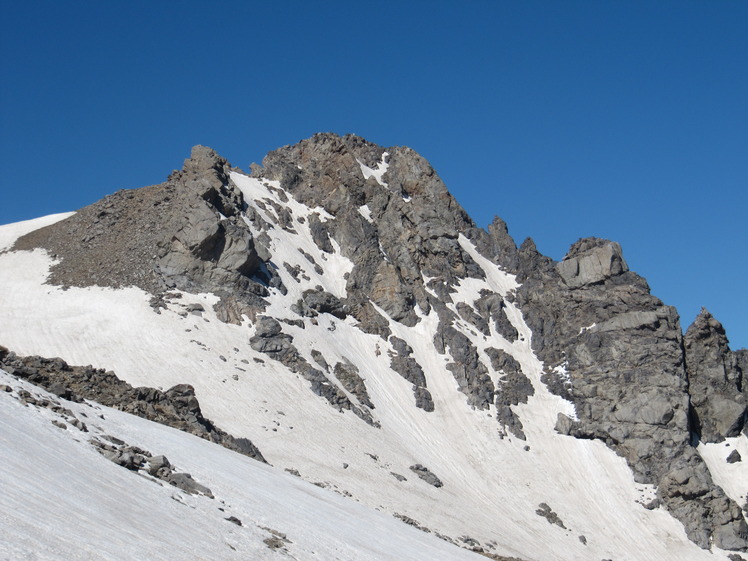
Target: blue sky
[(623, 120)]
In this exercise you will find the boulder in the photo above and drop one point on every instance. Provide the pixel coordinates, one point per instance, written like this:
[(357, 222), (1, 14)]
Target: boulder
[(426, 475), (734, 457), (185, 482), (591, 261)]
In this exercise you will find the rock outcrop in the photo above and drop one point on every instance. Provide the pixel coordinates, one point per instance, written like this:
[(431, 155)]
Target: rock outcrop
[(270, 339), (186, 233), (716, 381), (410, 231), (426, 475), (515, 388), (404, 364), (176, 407), (137, 459)]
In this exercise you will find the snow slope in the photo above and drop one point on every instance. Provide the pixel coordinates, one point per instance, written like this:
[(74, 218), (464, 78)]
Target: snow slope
[(493, 483), (61, 499), (11, 232)]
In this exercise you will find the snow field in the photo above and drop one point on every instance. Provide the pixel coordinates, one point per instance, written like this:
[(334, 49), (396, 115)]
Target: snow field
[(63, 500), (365, 211)]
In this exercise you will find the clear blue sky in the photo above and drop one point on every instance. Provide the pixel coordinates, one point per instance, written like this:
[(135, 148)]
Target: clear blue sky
[(620, 119)]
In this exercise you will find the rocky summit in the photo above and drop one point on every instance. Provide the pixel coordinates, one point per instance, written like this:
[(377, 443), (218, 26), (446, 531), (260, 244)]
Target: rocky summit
[(341, 317)]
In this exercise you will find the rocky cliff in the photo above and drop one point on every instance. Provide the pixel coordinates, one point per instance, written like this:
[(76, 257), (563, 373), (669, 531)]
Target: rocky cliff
[(619, 354)]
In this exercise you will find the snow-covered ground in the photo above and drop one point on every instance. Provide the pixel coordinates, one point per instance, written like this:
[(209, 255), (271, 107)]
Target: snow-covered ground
[(61, 499), (492, 484)]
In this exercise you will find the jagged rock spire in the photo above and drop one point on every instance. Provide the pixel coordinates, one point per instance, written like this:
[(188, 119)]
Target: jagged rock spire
[(718, 401)]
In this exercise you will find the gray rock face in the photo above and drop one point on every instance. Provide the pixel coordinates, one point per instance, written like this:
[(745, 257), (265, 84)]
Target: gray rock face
[(515, 388), (470, 373), (546, 512), (734, 457), (414, 224), (186, 483), (718, 405), (706, 512), (269, 339), (137, 459), (412, 236), (349, 377), (493, 310), (128, 457), (315, 302), (158, 463)]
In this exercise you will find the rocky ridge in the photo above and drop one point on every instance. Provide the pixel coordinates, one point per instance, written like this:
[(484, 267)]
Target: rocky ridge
[(608, 346), (184, 234), (176, 407), (112, 448)]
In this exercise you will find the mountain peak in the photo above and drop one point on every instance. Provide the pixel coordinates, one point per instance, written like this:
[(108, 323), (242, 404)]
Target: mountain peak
[(205, 157), (340, 291), (327, 162)]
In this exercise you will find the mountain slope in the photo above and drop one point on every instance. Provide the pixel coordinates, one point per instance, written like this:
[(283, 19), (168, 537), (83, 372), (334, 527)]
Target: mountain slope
[(338, 308), (63, 500)]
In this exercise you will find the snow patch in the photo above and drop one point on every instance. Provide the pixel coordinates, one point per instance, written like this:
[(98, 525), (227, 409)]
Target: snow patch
[(499, 281), (733, 478), (365, 211), (376, 173)]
